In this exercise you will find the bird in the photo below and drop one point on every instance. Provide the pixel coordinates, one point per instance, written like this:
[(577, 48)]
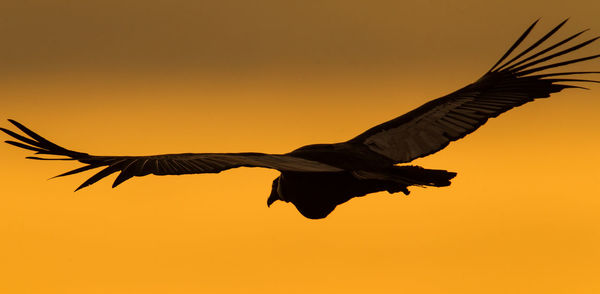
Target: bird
[(317, 178)]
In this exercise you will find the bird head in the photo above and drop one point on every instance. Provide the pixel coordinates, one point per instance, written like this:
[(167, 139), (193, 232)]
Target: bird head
[(274, 196)]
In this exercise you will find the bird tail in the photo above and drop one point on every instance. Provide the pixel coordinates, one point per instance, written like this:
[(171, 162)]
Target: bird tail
[(410, 175)]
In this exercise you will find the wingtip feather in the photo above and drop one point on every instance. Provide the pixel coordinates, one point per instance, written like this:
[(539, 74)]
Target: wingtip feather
[(24, 146), (514, 45), (122, 177), (76, 171)]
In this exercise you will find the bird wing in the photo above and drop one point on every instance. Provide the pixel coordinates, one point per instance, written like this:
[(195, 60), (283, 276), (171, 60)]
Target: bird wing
[(431, 127), (166, 164)]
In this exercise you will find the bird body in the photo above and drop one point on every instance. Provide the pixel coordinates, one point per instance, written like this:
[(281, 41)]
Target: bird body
[(316, 178), (316, 195)]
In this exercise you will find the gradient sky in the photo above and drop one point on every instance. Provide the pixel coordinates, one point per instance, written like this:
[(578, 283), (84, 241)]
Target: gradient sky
[(151, 77)]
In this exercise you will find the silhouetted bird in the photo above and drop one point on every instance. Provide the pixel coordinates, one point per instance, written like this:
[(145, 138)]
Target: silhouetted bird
[(317, 178)]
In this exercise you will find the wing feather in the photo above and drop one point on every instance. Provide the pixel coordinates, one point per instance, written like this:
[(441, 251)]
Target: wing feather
[(431, 127), (166, 164)]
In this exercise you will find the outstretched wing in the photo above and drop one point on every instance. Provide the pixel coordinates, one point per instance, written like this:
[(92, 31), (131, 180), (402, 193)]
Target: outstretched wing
[(166, 164), (515, 82)]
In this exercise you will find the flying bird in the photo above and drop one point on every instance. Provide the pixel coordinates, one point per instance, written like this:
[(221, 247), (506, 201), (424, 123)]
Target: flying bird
[(316, 178)]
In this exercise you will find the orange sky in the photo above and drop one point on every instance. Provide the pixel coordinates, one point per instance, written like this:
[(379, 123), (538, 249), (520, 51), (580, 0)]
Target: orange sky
[(133, 77)]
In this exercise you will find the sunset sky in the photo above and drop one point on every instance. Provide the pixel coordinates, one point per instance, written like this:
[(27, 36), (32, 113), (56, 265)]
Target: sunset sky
[(151, 77)]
